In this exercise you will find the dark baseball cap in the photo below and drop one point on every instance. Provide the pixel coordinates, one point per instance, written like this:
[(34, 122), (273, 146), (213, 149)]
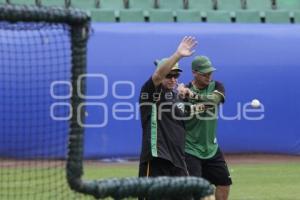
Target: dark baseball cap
[(176, 67), (202, 64)]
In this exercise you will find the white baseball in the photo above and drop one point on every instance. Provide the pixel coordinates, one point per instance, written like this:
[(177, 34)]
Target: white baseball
[(255, 103), (86, 113)]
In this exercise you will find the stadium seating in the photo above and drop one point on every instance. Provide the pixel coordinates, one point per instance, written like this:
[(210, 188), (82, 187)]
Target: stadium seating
[(25, 2), (296, 16), (214, 11), (261, 5), (111, 4), (84, 4), (53, 2), (247, 16), (218, 17), (288, 4), (141, 4), (188, 16), (171, 4), (102, 15), (278, 16), (230, 5), (161, 15), (131, 16), (144, 5), (202, 5)]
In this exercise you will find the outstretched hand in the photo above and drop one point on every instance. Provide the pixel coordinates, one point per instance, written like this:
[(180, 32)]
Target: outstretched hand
[(186, 46)]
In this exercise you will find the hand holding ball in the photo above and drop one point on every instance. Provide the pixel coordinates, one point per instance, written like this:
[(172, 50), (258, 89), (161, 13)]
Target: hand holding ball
[(255, 103), (183, 91)]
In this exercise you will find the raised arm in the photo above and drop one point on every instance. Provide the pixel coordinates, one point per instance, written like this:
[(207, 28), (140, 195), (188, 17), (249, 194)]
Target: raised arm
[(185, 48)]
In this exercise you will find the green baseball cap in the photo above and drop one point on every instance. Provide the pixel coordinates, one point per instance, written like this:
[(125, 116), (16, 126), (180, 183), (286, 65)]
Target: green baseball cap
[(202, 64), (176, 67)]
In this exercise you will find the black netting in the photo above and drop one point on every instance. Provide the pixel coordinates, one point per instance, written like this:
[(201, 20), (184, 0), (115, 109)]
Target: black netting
[(35, 89), (42, 56)]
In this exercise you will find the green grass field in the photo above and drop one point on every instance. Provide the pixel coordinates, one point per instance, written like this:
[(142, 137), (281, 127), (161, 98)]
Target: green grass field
[(251, 182)]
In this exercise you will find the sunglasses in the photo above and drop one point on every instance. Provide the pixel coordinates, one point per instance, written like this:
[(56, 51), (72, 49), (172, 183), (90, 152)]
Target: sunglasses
[(169, 76)]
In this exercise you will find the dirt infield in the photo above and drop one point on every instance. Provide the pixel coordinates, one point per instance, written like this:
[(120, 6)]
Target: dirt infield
[(260, 158), (230, 158)]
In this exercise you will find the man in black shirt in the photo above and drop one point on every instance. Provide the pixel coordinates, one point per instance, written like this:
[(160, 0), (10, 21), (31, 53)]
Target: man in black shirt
[(163, 132)]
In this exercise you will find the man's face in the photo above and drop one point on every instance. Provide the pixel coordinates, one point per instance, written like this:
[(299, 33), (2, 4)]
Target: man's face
[(170, 80), (201, 78)]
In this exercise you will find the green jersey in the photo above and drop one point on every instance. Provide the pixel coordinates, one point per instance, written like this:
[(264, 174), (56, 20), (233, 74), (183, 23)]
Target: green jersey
[(201, 140)]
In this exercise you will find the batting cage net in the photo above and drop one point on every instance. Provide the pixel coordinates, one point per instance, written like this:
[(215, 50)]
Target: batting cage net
[(42, 88), (36, 67)]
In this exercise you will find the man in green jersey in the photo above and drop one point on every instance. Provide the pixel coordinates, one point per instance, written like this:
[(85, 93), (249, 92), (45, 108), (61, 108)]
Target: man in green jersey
[(203, 155)]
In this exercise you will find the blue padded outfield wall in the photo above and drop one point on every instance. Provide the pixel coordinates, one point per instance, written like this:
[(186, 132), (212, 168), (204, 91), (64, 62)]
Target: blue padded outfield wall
[(32, 57), (253, 62)]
